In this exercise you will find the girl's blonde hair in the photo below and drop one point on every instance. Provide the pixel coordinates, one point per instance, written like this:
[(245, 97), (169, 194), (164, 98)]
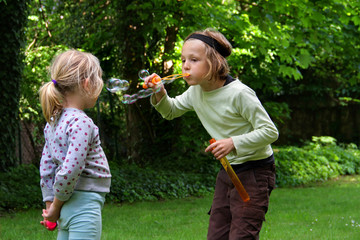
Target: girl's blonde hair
[(219, 67), (68, 72)]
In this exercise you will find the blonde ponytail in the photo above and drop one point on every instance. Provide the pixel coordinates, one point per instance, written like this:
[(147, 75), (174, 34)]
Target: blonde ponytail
[(51, 101)]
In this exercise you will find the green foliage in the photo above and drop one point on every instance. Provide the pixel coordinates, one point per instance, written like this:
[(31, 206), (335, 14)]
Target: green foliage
[(280, 111), (319, 160), (283, 50), (131, 183), (20, 188), (317, 142), (36, 72)]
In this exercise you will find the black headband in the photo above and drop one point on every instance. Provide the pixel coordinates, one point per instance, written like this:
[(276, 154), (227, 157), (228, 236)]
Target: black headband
[(212, 43)]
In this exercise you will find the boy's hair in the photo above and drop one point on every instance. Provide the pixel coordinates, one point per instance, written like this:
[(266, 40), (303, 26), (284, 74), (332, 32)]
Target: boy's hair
[(219, 67), (68, 72)]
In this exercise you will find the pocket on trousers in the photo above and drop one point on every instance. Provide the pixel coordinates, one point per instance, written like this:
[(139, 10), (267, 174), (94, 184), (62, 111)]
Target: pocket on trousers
[(254, 217)]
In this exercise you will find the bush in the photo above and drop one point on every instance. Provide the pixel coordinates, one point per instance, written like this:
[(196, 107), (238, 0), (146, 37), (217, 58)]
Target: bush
[(131, 183), (20, 188), (318, 160)]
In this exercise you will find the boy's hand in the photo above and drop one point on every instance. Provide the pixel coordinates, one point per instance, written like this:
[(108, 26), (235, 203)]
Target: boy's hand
[(158, 88), (221, 148), (153, 81)]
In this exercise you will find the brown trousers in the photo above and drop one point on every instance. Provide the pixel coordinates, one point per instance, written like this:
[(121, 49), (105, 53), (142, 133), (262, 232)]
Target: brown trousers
[(230, 217)]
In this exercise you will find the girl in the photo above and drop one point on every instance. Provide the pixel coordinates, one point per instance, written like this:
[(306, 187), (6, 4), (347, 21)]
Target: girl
[(234, 116), (75, 174)]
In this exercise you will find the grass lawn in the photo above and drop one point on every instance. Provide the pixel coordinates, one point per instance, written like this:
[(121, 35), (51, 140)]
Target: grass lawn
[(321, 211)]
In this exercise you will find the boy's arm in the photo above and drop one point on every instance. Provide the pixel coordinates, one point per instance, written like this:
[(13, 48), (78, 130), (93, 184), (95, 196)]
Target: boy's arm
[(159, 95), (264, 130)]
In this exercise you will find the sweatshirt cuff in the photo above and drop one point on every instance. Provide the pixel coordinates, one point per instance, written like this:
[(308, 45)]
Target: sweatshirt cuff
[(48, 195), (237, 144), (153, 100)]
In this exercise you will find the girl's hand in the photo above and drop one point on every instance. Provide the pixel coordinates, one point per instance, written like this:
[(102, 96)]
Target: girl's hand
[(221, 148), (43, 222), (158, 88), (52, 213)]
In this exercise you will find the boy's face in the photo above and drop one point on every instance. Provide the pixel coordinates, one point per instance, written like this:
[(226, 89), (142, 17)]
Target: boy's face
[(194, 62)]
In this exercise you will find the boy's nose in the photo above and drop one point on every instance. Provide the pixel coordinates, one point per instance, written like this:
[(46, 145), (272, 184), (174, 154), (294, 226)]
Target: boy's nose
[(186, 66)]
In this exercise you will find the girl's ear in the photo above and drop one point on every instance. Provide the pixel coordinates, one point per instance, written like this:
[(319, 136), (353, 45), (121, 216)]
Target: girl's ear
[(86, 85)]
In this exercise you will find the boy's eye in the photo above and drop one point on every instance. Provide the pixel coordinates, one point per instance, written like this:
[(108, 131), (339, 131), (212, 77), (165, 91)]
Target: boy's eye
[(194, 59)]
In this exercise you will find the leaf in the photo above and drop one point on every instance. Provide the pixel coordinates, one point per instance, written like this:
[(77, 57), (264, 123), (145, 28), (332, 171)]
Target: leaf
[(304, 59), (356, 20), (291, 72)]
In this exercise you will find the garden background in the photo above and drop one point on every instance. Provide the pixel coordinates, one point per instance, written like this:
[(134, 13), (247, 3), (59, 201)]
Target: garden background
[(302, 58)]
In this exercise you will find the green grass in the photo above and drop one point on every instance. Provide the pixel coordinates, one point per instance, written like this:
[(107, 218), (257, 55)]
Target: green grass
[(320, 211)]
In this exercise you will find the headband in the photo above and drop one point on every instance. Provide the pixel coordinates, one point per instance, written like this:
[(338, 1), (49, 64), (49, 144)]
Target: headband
[(212, 43)]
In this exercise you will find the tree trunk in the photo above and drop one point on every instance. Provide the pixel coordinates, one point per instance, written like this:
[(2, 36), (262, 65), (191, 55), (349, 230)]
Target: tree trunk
[(13, 16)]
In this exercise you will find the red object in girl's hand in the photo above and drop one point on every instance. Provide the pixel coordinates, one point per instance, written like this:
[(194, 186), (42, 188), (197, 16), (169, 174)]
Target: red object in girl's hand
[(50, 225)]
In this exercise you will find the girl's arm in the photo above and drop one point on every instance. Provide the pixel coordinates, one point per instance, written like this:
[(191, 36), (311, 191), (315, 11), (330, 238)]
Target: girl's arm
[(48, 204), (47, 171)]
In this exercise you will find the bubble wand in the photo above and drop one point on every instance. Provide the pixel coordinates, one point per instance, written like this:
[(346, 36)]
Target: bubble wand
[(115, 85), (234, 178), (155, 80)]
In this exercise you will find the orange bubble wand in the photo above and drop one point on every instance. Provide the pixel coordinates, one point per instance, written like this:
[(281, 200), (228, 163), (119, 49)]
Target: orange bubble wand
[(167, 79), (234, 178)]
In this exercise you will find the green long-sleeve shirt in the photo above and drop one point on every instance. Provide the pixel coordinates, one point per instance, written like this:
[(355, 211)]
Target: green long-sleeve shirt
[(230, 111)]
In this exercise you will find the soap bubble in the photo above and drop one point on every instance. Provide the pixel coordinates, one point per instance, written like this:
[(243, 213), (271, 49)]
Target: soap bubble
[(129, 99), (126, 99), (145, 93), (143, 74), (114, 85), (171, 79)]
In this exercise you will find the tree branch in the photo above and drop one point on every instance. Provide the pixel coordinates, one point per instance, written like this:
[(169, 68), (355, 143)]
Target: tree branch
[(44, 18)]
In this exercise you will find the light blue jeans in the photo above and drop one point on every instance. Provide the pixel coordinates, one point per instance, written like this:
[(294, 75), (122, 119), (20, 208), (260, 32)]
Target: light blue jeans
[(80, 216)]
